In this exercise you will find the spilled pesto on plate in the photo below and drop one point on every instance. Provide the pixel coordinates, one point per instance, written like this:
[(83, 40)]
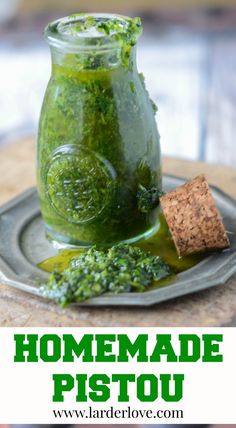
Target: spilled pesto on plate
[(122, 268)]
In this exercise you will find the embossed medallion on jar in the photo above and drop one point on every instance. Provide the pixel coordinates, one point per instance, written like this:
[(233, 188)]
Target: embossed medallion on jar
[(79, 183)]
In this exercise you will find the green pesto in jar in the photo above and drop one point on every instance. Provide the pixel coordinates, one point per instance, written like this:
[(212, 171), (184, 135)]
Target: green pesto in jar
[(99, 173)]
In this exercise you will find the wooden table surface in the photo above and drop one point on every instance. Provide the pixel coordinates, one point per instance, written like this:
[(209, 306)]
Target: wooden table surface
[(213, 307)]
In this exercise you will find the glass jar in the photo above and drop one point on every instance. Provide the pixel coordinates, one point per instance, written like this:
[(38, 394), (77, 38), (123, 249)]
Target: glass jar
[(99, 171)]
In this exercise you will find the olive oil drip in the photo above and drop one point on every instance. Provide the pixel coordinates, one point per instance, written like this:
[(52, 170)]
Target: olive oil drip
[(160, 244)]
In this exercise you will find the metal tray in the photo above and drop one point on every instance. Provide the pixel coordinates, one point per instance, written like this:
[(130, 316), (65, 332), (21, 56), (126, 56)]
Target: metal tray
[(23, 245)]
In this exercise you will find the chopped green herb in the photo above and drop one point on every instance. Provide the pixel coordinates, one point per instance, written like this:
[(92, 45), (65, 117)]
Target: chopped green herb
[(148, 199), (123, 268), (109, 25)]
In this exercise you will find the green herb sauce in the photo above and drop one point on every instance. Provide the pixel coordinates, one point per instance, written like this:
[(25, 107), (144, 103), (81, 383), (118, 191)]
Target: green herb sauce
[(159, 245), (98, 143), (123, 268)]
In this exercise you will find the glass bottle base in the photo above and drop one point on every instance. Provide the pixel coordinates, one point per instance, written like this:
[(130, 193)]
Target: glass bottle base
[(62, 242)]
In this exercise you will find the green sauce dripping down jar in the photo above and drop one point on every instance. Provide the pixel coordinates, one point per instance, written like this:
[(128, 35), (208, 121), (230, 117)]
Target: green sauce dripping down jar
[(99, 173)]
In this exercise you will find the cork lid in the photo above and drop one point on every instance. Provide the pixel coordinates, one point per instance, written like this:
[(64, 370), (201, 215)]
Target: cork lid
[(193, 218)]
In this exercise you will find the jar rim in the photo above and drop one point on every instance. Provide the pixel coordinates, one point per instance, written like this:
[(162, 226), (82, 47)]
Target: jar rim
[(86, 31)]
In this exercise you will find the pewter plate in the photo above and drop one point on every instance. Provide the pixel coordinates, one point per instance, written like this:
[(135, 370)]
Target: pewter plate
[(23, 245)]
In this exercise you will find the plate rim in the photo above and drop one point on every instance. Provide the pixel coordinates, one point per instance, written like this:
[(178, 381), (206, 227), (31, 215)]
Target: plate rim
[(176, 289)]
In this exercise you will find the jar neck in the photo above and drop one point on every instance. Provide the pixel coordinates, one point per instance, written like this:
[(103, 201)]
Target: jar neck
[(95, 59)]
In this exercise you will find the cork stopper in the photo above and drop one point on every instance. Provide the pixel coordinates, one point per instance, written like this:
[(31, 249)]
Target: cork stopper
[(193, 218)]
